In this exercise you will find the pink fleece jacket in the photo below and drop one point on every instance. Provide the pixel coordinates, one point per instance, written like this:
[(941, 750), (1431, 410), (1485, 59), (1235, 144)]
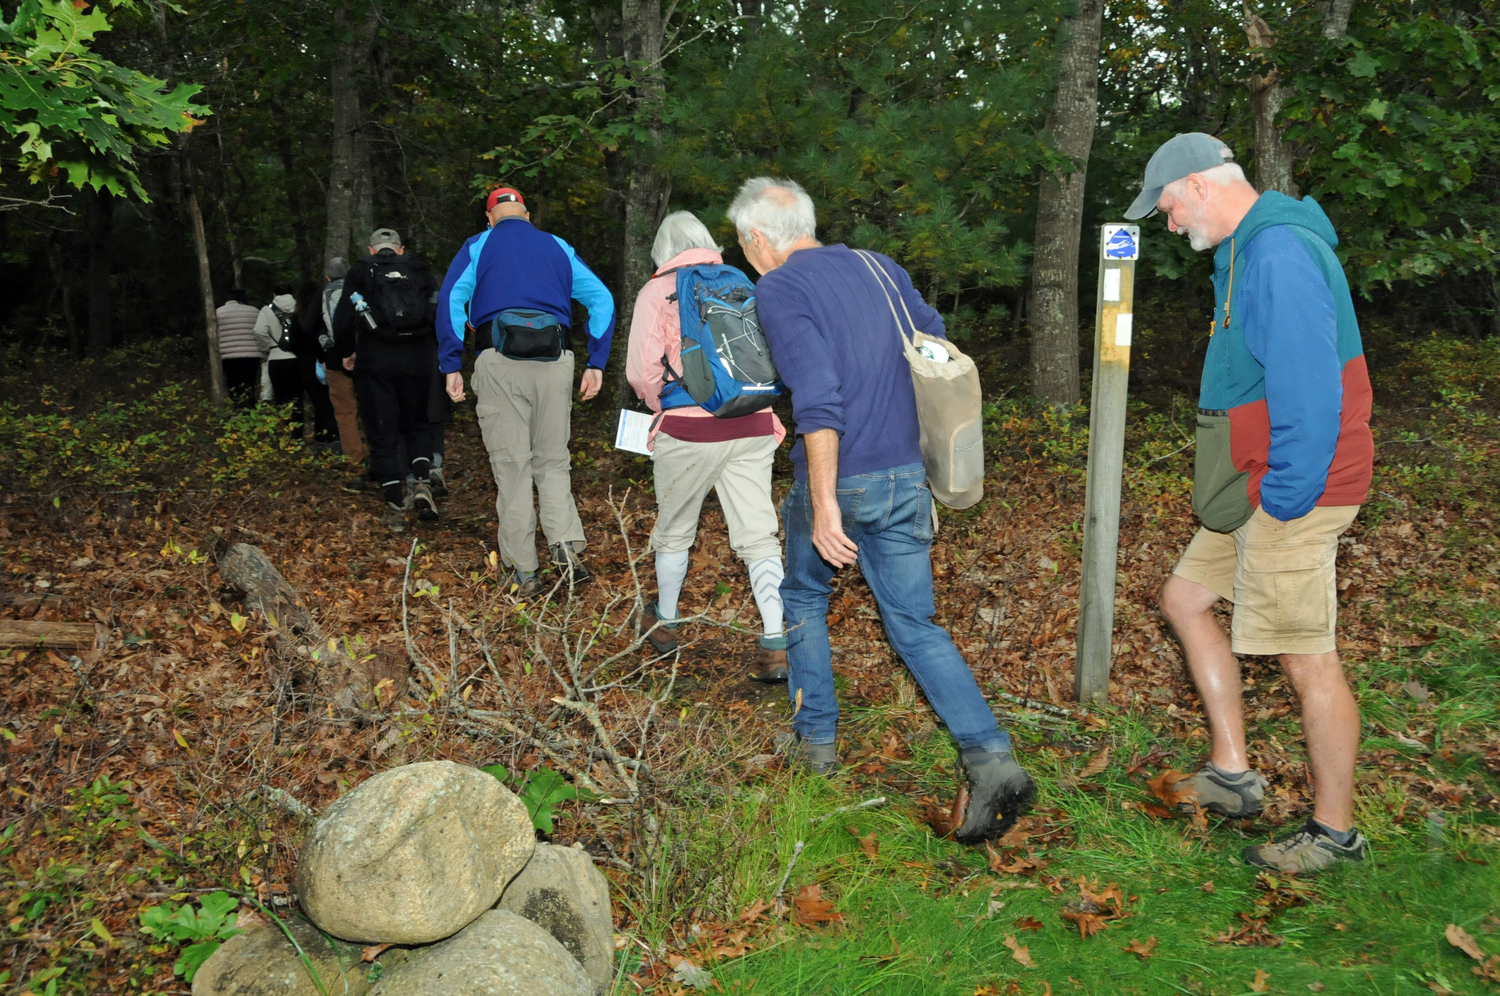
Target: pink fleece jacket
[(656, 331)]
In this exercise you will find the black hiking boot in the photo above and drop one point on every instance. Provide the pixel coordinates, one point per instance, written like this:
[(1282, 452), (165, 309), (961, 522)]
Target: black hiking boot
[(1000, 791)]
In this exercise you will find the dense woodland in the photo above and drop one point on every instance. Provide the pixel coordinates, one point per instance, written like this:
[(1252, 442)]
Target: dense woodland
[(953, 135)]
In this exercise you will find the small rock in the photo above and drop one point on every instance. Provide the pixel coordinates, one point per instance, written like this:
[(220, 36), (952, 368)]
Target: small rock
[(262, 962), (413, 854), (500, 954), (562, 892)]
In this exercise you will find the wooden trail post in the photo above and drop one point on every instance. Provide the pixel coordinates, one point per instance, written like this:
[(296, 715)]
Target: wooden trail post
[(1119, 247)]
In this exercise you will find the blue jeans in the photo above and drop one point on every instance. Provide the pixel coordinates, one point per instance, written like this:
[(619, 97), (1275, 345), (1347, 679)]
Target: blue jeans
[(888, 514)]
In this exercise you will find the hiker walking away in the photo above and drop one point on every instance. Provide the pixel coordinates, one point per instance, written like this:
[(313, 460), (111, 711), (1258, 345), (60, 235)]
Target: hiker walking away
[(383, 332), (307, 327), (691, 450), (1283, 464), (514, 285), (273, 333), (240, 355), (860, 490), (341, 382)]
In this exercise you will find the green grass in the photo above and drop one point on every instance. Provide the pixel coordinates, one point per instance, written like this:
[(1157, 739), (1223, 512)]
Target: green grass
[(1372, 928)]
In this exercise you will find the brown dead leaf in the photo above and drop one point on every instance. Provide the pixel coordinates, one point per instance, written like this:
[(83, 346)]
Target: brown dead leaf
[(1317, 987), (867, 843), (1253, 934), (811, 907), (755, 911), (1164, 787), (946, 821), (1028, 923), (1145, 949), (1019, 952), (1460, 938), (1098, 763), (1262, 983), (373, 952), (1208, 886)]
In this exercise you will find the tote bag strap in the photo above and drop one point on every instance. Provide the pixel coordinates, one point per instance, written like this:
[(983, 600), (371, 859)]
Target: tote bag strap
[(881, 278)]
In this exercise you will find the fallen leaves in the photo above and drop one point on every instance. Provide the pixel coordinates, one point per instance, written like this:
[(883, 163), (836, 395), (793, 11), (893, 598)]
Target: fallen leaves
[(1262, 982), (1028, 923), (867, 843), (1019, 952), (946, 820), (1094, 908), (809, 906), (1252, 933), (1167, 787), (1143, 948), (1488, 969), (373, 952)]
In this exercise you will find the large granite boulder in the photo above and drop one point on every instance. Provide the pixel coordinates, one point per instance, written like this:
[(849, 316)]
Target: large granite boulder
[(413, 854), (562, 892), (262, 962), (500, 954)]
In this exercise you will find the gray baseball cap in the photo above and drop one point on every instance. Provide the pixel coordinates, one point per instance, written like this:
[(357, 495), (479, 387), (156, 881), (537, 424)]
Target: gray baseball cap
[(1192, 152), (384, 237)]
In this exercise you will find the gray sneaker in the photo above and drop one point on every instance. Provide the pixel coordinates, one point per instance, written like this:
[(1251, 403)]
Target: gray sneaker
[(1236, 795), (439, 485), (1310, 849), (820, 759), (394, 517), (426, 506), (570, 565), (1000, 791)]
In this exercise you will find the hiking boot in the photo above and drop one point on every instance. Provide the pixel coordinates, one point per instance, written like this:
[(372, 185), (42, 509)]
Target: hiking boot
[(394, 517), (520, 585), (659, 632), (1310, 849), (565, 558), (357, 485), (819, 759), (439, 486), (999, 792), (423, 500), (770, 666), (1236, 795)]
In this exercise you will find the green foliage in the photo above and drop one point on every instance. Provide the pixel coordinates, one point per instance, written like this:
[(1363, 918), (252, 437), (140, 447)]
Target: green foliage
[(540, 789), (206, 928), (75, 113)]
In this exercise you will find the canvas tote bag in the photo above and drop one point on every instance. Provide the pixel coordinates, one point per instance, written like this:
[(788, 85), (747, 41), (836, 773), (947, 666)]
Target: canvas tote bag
[(949, 404)]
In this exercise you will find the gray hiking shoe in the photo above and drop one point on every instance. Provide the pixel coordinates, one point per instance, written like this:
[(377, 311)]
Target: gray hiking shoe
[(570, 565), (439, 486), (426, 506), (1000, 791), (520, 585), (820, 759), (1236, 795), (1310, 849), (394, 517)]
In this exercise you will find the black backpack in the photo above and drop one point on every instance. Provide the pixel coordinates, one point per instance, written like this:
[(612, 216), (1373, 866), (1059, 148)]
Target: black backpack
[(400, 298), (284, 321)]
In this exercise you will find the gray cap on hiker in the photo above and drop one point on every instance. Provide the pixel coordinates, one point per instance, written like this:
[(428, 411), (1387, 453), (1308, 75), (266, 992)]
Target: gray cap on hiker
[(1193, 152), (384, 237)]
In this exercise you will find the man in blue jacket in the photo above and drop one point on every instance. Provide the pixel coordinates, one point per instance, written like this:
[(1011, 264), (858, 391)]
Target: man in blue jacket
[(860, 491), (514, 286)]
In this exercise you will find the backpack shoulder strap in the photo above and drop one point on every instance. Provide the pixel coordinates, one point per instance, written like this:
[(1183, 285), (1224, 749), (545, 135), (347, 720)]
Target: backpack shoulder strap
[(887, 284)]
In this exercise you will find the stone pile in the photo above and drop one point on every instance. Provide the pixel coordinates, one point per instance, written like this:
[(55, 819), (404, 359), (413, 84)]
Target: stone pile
[(440, 861)]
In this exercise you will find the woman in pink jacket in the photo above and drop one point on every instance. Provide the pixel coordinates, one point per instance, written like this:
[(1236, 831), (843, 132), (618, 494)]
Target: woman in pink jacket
[(692, 451)]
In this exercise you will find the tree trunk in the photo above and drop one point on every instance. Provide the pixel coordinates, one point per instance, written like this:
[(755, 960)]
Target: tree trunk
[(1336, 18), (1059, 217), (99, 222), (649, 193), (60, 277), (355, 46), (362, 215), (292, 185), (205, 281), (1273, 156)]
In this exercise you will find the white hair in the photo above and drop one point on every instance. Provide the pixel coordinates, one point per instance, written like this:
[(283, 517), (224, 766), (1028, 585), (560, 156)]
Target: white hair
[(1226, 175), (778, 209), (679, 232)]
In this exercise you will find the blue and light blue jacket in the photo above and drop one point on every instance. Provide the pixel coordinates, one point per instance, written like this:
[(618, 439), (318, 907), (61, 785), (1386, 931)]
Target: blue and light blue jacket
[(512, 265)]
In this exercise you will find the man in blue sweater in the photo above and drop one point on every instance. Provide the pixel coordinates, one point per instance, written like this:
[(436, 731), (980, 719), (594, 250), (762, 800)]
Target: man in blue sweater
[(860, 491), (514, 286)]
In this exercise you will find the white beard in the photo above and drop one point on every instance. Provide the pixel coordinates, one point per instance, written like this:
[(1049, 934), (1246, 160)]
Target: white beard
[(1196, 239)]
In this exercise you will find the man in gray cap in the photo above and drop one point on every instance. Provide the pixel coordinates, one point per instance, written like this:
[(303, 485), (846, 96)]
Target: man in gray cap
[(383, 331), (1284, 461)]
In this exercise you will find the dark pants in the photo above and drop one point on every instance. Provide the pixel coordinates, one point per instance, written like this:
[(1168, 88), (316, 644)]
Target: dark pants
[(242, 380), (394, 409), (325, 423), (286, 388)]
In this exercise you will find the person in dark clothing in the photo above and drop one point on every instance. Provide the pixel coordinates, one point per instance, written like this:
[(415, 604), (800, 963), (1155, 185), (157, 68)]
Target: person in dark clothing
[(307, 324), (383, 331)]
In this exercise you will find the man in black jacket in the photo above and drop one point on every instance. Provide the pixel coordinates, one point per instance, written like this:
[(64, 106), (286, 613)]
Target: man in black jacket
[(383, 331)]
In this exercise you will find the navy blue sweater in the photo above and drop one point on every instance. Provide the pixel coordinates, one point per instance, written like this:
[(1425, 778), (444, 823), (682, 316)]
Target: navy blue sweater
[(838, 349)]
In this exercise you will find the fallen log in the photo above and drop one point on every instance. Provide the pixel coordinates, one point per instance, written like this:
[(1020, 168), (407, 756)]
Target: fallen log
[(353, 684), (58, 635)]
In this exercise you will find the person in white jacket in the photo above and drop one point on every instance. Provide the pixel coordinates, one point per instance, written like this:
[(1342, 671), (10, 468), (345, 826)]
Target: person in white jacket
[(273, 327)]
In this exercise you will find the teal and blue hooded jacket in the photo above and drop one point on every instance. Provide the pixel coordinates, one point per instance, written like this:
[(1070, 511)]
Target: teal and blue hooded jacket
[(1284, 407)]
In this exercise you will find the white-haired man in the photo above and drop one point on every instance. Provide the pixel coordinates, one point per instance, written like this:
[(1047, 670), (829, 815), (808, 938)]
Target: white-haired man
[(860, 491), (1284, 461)]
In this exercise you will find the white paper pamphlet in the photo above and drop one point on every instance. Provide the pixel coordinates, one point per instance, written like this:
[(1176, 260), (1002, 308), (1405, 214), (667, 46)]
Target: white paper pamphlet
[(633, 431)]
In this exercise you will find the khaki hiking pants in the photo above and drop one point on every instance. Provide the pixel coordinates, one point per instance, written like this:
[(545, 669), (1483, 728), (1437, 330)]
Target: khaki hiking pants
[(346, 414), (739, 470), (525, 410)]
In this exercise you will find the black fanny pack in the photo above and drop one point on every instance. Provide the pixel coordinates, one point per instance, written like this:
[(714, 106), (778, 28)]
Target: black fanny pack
[(523, 334)]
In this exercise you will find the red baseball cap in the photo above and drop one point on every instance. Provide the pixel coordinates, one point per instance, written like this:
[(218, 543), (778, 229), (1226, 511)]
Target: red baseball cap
[(504, 194)]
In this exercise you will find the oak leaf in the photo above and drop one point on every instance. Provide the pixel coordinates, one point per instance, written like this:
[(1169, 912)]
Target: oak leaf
[(811, 907), (1145, 949), (1262, 983), (1019, 952)]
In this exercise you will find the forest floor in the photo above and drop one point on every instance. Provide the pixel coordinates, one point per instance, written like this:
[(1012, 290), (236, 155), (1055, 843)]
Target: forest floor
[(134, 775)]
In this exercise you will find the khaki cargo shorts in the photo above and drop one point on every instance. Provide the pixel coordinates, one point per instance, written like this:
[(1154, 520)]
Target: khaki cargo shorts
[(1279, 575)]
